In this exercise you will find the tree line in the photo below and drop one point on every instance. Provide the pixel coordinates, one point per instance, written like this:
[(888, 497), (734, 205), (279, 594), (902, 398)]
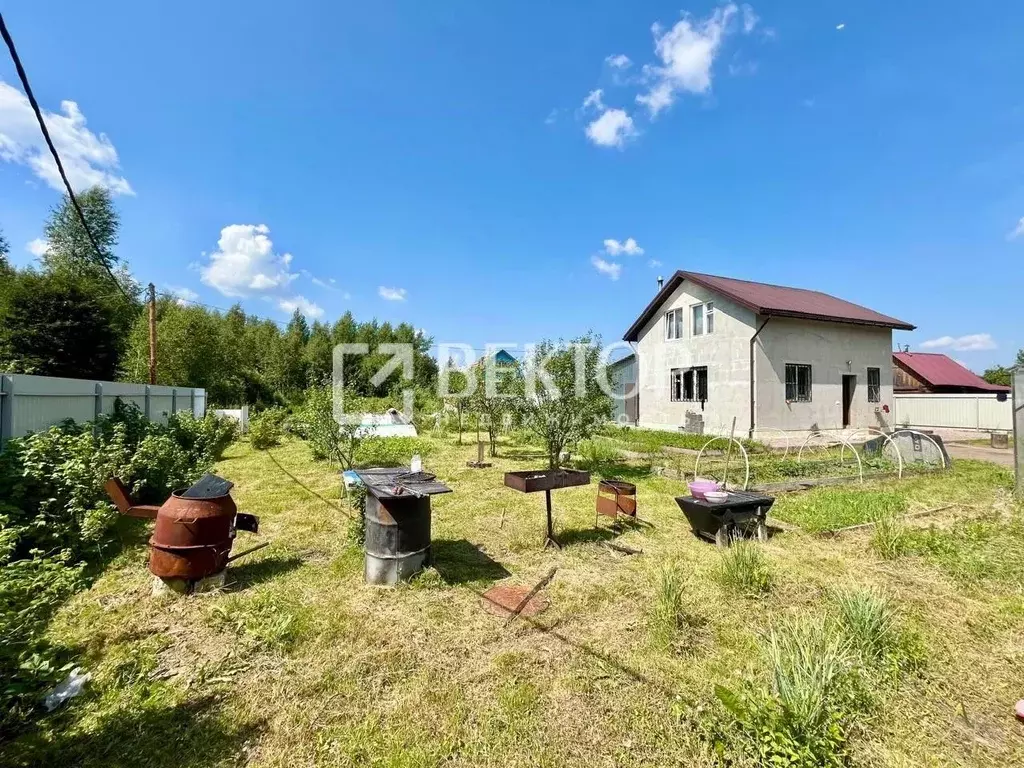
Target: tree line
[(66, 317)]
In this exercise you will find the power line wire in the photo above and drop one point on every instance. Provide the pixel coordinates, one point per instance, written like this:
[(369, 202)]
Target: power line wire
[(53, 151)]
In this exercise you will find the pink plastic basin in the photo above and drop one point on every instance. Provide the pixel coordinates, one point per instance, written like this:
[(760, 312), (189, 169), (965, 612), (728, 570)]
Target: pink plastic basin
[(699, 487)]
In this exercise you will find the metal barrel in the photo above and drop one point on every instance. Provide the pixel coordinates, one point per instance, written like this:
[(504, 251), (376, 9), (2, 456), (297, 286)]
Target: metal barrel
[(397, 538)]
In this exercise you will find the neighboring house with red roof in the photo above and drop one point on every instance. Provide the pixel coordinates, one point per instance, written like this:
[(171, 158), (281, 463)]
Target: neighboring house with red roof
[(935, 373), (712, 349)]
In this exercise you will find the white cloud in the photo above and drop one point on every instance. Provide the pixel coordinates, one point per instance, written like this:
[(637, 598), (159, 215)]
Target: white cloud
[(1017, 231), (629, 247), (328, 284), (552, 117), (184, 295), (618, 61), (245, 262), (391, 294), (841, 26), (972, 342), (612, 129), (38, 247), (89, 160), (653, 263), (593, 100), (687, 52), (301, 303), (609, 268)]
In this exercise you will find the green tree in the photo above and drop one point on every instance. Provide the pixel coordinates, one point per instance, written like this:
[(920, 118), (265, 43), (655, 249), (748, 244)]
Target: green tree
[(319, 354), (70, 249), (70, 253), (50, 326), (499, 393), (455, 386), (997, 374), (563, 402), (5, 248)]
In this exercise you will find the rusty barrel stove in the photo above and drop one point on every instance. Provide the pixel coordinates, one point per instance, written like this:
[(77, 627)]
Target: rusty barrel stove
[(195, 528)]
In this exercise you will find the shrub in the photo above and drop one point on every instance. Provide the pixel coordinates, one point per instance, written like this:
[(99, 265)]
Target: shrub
[(745, 568), (337, 443), (265, 428), (30, 591), (204, 438), (389, 451)]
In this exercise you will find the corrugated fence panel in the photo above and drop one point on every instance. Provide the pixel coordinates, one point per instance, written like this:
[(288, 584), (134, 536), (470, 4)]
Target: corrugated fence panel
[(34, 403), (982, 412)]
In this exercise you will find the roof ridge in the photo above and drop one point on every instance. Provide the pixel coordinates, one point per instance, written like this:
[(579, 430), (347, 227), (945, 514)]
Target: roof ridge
[(768, 285)]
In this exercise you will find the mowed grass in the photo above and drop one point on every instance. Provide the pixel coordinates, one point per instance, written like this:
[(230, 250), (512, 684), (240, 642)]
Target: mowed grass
[(299, 663)]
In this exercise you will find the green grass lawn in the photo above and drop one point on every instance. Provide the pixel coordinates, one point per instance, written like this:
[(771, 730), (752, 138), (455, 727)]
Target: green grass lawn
[(297, 662)]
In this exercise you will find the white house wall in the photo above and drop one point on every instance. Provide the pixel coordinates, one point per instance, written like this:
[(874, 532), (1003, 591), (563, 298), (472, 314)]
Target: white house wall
[(831, 349), (726, 353)]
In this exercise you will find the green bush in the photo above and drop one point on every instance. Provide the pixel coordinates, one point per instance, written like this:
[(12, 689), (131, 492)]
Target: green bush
[(55, 517), (389, 451), (206, 437), (266, 428)]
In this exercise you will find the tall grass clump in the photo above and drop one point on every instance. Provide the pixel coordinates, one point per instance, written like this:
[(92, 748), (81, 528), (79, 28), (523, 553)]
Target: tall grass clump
[(798, 717), (745, 568), (870, 620), (673, 626), (889, 537)]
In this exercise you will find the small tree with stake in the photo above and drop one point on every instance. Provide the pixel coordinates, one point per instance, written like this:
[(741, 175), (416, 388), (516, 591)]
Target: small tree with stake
[(563, 401), (499, 392)]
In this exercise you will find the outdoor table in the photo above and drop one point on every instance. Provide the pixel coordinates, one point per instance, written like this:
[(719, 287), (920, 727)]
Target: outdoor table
[(742, 512)]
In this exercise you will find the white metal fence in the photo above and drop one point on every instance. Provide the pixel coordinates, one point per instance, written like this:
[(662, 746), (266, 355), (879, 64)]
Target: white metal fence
[(34, 403), (981, 412)]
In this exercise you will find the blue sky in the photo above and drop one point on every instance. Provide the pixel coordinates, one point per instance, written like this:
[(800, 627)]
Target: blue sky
[(456, 155)]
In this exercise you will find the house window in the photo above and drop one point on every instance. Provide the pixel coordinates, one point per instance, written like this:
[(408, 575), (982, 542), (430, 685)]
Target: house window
[(874, 385), (798, 383), (674, 324), (689, 384), (703, 318)]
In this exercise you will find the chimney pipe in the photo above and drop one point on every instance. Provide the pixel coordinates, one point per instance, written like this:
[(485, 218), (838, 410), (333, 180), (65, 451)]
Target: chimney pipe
[(661, 282)]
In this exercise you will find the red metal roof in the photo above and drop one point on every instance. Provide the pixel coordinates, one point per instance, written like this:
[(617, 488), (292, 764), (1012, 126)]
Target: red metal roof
[(938, 370), (772, 300)]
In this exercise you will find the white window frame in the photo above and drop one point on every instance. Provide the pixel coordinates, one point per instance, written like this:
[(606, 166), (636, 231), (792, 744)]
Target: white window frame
[(674, 324), (707, 318)]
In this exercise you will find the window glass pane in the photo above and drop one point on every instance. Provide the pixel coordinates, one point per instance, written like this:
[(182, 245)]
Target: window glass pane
[(709, 320), (698, 320)]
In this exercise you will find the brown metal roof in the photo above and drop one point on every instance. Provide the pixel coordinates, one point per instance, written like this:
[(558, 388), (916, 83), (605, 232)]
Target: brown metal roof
[(938, 370), (774, 300)]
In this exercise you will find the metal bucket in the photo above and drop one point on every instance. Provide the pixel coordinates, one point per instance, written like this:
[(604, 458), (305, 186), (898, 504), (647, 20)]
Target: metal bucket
[(397, 538)]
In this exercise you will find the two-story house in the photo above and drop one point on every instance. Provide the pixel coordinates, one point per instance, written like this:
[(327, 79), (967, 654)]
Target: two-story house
[(710, 349)]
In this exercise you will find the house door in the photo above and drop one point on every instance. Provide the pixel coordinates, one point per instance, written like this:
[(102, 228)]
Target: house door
[(849, 385), (632, 403)]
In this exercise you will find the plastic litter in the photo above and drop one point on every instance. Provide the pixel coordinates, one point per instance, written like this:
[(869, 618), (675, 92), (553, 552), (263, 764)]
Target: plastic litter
[(71, 686), (1019, 710)]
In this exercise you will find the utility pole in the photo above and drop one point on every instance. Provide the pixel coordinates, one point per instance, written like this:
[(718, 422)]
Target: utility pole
[(152, 333)]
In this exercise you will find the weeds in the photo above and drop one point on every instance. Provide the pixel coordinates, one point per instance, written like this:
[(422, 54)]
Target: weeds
[(871, 622), (826, 509), (745, 568), (889, 537), (673, 626)]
